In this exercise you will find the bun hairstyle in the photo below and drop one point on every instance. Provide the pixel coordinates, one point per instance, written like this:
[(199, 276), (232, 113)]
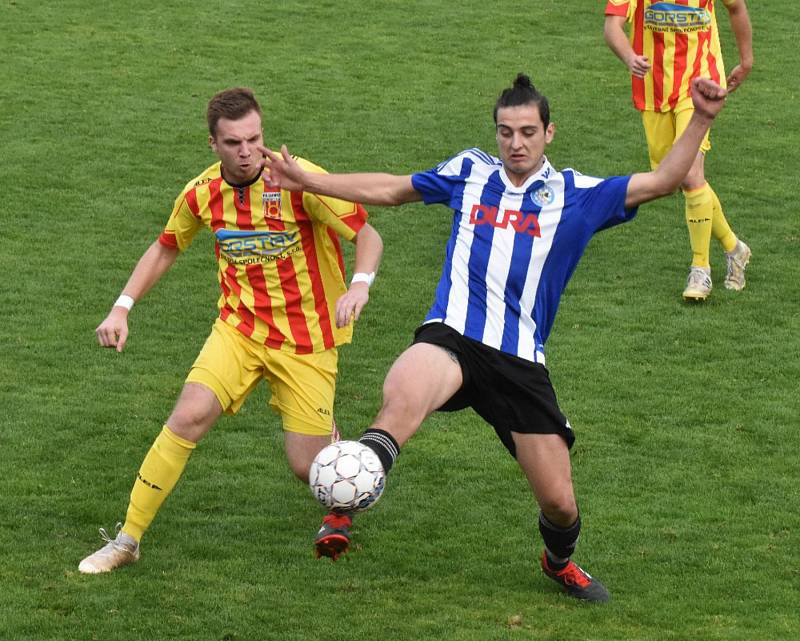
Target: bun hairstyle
[(523, 93)]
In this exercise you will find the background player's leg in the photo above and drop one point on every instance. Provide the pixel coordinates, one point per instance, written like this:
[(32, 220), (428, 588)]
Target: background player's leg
[(737, 253), (699, 212)]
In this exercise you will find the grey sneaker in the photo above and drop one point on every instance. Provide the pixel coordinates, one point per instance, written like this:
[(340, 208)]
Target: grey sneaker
[(121, 550), (737, 262), (698, 285)]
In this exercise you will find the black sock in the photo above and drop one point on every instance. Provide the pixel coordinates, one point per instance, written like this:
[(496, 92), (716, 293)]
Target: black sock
[(559, 541), (383, 444)]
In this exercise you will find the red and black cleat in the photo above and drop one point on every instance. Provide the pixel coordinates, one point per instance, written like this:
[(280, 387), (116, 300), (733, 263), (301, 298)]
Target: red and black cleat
[(333, 538), (576, 581)]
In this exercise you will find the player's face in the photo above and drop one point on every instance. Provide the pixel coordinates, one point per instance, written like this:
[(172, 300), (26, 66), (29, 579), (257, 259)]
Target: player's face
[(236, 145), (521, 139)]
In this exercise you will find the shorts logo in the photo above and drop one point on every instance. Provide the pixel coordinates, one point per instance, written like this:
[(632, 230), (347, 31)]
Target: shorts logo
[(666, 17), (543, 196), (272, 204)]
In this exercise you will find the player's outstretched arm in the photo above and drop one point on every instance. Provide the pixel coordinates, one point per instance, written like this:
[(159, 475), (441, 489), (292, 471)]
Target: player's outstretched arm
[(617, 41), (369, 249), (743, 32), (154, 263), (708, 98), (282, 171)]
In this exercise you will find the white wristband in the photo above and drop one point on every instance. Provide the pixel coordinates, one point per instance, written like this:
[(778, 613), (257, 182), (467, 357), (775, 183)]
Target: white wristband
[(363, 277), (124, 301)]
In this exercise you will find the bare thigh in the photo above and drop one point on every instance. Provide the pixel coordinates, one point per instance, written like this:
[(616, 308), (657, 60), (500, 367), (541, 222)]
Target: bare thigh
[(419, 382)]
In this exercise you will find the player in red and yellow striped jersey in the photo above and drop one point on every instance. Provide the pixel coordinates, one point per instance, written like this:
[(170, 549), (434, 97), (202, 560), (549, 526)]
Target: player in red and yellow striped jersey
[(284, 309), (669, 44)]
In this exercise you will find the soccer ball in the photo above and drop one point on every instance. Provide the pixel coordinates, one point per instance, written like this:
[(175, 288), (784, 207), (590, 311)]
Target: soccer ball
[(346, 476)]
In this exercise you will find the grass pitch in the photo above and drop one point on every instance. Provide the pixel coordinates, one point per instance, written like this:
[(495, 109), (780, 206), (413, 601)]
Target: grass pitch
[(686, 462)]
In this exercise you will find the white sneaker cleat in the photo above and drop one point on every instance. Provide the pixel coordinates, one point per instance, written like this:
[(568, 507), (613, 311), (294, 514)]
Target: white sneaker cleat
[(698, 285), (737, 261), (123, 549)]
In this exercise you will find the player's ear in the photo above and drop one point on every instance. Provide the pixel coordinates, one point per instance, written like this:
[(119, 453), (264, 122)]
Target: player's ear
[(212, 143), (549, 133)]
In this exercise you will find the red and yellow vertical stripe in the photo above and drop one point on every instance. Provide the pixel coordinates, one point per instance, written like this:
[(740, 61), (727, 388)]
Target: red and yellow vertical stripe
[(286, 300), (676, 52)]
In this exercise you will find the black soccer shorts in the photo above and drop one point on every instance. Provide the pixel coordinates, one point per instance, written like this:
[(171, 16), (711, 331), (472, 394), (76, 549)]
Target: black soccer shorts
[(508, 392)]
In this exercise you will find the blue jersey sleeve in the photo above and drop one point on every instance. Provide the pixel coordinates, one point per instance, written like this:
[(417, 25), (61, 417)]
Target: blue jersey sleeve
[(604, 203), (433, 187), (445, 182)]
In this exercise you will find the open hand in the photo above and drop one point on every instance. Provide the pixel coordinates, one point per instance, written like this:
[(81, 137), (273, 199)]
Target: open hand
[(281, 171)]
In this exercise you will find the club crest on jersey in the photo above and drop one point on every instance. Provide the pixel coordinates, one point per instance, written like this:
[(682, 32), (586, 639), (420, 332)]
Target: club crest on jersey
[(272, 203), (543, 196)]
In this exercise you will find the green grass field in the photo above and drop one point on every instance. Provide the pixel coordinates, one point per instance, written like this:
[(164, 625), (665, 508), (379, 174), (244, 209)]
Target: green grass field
[(686, 463)]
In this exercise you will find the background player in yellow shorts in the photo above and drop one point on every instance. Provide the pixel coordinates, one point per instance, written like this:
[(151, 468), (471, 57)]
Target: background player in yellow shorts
[(284, 309), (671, 43)]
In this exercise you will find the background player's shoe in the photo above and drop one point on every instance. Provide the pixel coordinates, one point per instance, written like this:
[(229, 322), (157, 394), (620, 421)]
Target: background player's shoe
[(698, 285), (737, 261), (333, 538), (121, 550), (576, 581)]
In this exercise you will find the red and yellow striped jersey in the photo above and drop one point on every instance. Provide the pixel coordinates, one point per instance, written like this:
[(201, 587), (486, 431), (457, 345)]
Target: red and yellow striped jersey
[(281, 268), (680, 39)]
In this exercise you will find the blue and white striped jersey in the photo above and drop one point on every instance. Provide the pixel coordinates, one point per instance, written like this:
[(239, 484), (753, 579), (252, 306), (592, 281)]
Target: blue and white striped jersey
[(512, 250)]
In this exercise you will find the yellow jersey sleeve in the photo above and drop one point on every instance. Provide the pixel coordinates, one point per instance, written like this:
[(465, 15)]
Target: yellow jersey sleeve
[(184, 222), (344, 217)]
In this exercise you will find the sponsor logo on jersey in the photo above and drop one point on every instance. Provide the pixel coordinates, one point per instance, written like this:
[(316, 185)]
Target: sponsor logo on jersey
[(247, 247), (272, 204), (666, 17), (520, 222)]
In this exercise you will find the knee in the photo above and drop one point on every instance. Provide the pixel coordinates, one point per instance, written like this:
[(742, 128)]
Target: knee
[(190, 422), (401, 406), (560, 508), (399, 416)]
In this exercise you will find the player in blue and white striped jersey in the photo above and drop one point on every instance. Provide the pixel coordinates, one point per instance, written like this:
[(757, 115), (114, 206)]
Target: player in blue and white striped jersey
[(519, 230), (513, 247)]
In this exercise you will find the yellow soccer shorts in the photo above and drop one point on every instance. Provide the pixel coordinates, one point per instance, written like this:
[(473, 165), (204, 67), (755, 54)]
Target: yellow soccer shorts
[(662, 129), (302, 385)]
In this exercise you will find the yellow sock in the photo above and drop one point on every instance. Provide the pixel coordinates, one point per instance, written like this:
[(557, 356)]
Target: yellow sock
[(699, 214), (719, 225), (160, 471)]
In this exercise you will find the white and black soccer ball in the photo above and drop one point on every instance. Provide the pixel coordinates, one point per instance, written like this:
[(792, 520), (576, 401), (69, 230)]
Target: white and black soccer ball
[(347, 476)]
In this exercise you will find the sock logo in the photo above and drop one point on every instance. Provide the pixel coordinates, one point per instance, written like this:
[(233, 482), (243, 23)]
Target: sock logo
[(147, 483)]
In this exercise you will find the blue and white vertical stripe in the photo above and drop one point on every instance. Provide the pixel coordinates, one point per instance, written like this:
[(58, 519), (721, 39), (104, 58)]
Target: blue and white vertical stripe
[(513, 249)]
